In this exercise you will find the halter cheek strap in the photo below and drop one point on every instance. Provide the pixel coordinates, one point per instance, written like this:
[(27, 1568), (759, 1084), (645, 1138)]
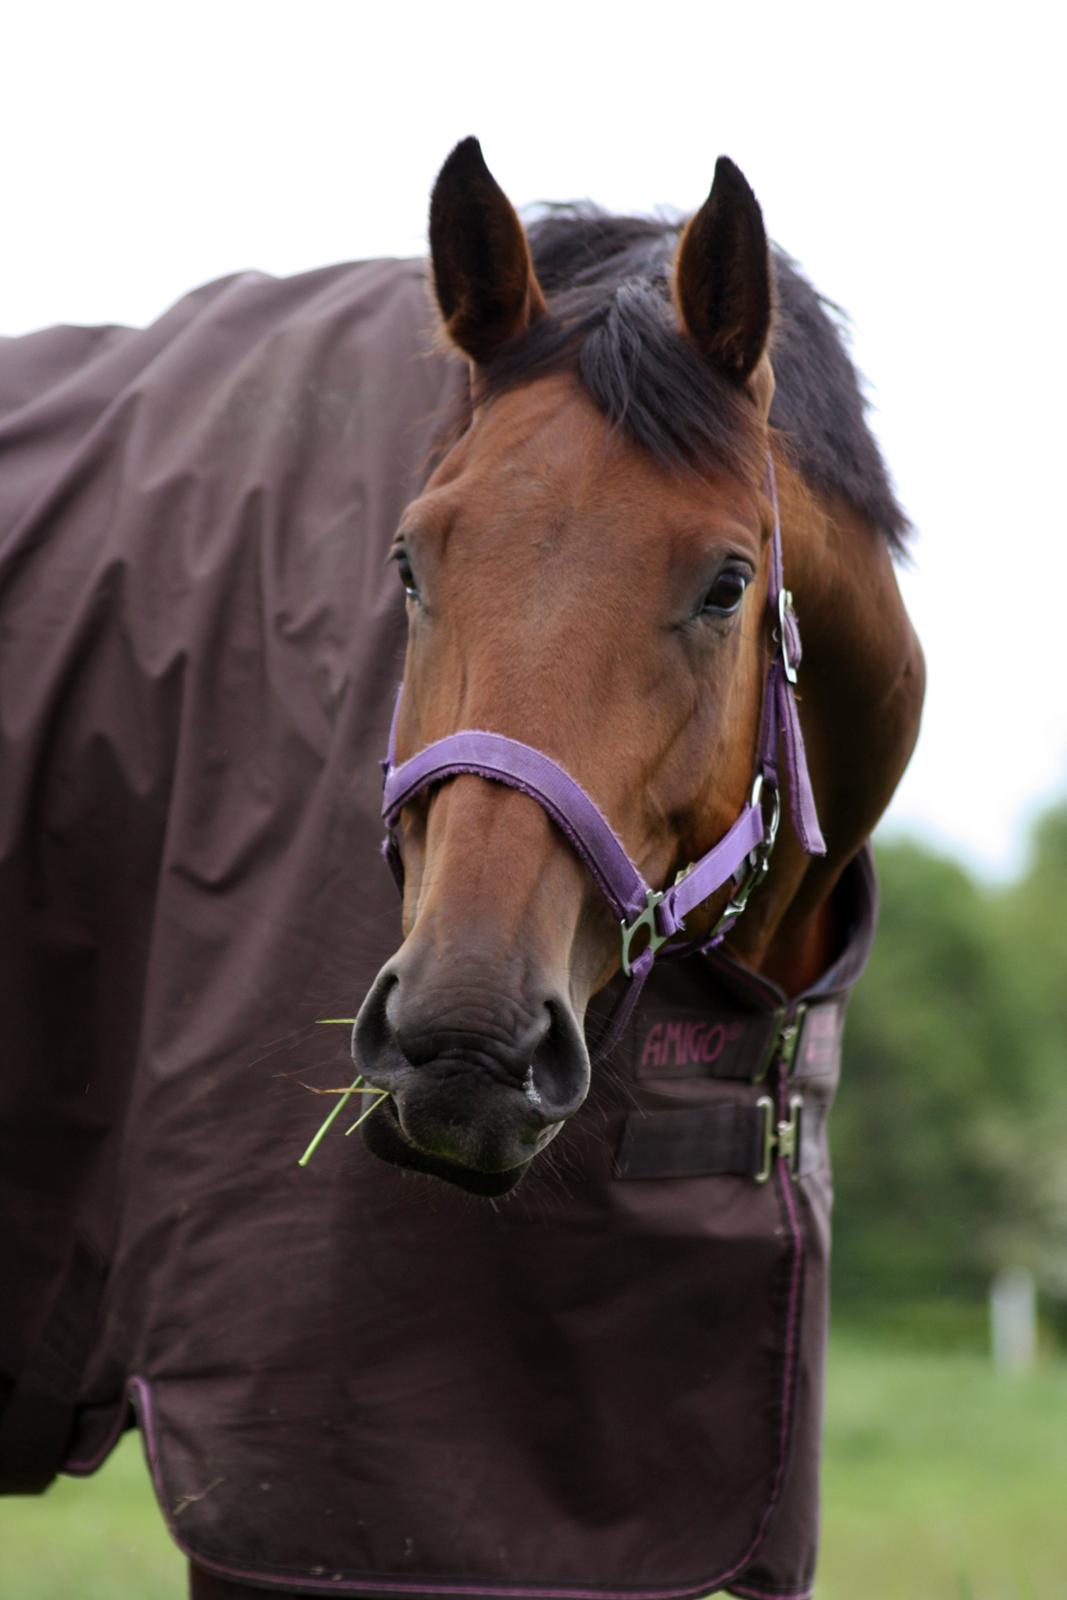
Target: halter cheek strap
[(741, 856)]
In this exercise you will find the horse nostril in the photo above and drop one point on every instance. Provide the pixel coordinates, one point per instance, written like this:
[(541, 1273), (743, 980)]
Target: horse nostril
[(557, 1079), (374, 1048)]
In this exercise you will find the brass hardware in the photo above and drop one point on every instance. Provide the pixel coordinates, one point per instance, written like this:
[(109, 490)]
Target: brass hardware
[(780, 1139)]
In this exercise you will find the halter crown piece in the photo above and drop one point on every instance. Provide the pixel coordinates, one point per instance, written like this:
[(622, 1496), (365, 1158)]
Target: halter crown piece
[(742, 855)]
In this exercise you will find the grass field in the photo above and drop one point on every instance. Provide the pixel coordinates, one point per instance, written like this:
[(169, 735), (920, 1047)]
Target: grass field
[(942, 1482)]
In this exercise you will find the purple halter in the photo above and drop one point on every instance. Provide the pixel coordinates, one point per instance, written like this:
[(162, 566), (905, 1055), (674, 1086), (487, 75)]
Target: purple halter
[(742, 855)]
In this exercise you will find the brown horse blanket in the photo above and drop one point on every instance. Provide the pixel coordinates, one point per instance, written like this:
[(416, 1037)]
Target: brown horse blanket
[(349, 1378)]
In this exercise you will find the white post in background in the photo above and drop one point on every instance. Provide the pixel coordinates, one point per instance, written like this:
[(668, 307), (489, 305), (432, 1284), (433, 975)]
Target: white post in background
[(1013, 1319)]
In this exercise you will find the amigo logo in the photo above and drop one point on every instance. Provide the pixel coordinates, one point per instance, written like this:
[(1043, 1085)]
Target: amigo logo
[(687, 1044)]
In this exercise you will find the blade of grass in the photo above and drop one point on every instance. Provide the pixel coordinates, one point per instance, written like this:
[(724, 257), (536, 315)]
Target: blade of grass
[(345, 1094), (353, 1088), (328, 1124), (384, 1095)]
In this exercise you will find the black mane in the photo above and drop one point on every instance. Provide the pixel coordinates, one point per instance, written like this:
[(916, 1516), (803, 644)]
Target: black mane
[(607, 280)]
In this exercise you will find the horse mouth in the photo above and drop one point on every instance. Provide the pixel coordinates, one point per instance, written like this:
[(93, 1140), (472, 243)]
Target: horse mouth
[(385, 1138)]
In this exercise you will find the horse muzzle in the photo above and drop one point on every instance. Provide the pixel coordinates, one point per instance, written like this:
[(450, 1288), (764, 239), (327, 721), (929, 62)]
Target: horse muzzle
[(478, 1083)]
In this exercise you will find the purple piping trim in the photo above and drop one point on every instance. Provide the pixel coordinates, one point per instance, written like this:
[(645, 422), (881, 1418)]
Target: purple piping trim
[(141, 1397), (791, 1340), (791, 1343), (786, 1187)]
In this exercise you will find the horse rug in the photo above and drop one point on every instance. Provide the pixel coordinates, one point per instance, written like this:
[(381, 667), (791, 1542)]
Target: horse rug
[(349, 1378)]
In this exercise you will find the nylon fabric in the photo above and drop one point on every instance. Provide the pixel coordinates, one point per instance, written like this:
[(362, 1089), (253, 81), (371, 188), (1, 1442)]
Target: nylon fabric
[(350, 1378)]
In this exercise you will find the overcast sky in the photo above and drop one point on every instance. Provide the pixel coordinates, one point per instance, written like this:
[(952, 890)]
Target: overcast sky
[(910, 156)]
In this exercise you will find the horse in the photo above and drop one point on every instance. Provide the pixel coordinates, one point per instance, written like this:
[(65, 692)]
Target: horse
[(606, 750)]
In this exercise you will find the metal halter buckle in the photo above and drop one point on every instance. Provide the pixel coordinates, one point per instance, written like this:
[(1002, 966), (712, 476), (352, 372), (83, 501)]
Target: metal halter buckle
[(785, 608), (759, 859), (781, 1139), (644, 919)]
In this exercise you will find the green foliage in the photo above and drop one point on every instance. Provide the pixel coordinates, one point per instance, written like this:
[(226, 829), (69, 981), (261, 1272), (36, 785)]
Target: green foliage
[(952, 1117)]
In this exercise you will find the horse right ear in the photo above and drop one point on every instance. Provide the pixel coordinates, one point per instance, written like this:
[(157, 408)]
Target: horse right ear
[(486, 286), (722, 277)]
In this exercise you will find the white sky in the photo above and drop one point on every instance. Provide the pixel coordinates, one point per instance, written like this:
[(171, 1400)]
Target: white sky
[(910, 156)]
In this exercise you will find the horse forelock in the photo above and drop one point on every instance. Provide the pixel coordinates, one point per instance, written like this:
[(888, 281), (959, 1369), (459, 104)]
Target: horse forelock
[(622, 342), (612, 323)]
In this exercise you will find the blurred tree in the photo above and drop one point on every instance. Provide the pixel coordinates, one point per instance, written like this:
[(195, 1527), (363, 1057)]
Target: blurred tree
[(1031, 1149), (952, 1117)]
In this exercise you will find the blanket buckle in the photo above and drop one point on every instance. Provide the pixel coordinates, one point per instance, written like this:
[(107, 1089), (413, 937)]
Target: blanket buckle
[(780, 1139)]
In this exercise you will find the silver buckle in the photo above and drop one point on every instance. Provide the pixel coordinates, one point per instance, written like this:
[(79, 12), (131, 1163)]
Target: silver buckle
[(785, 605), (759, 859), (781, 1139), (645, 919)]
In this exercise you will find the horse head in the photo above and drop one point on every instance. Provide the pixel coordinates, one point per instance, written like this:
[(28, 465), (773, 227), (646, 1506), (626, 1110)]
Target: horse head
[(586, 573)]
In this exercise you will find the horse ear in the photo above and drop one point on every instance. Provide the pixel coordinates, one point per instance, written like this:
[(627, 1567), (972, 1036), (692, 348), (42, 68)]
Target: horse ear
[(486, 286), (722, 277)]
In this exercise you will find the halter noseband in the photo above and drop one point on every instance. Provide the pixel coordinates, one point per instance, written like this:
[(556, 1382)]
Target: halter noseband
[(741, 855)]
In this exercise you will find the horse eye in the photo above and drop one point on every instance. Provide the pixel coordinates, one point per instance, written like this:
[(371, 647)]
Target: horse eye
[(726, 593), (407, 577)]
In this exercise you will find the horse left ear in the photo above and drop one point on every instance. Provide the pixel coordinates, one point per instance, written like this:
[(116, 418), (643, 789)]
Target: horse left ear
[(486, 286), (722, 277)]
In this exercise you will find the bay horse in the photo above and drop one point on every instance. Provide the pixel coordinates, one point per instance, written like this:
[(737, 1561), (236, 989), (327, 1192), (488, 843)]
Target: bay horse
[(656, 476), (587, 570)]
